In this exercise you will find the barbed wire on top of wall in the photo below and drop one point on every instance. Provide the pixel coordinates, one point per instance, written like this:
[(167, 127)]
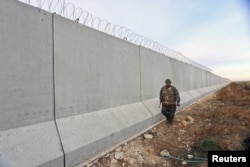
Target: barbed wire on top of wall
[(70, 11)]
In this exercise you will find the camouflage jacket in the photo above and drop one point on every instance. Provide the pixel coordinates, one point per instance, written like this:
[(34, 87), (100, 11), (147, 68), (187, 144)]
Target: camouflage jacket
[(176, 95)]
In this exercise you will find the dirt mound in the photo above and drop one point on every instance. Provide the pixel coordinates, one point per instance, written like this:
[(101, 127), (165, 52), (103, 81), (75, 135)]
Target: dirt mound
[(221, 121), (235, 94)]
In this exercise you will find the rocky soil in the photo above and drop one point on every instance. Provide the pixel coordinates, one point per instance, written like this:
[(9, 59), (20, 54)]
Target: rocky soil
[(220, 121)]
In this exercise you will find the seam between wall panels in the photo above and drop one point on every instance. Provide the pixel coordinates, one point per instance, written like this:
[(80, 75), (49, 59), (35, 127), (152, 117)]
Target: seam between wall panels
[(140, 70), (54, 87), (141, 90)]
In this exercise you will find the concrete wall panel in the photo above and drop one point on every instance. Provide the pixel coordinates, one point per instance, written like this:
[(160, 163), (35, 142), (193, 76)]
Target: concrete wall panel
[(187, 78), (94, 71), (176, 74), (98, 88), (204, 79), (190, 78), (86, 135), (155, 69), (29, 146), (28, 135), (196, 78), (26, 91)]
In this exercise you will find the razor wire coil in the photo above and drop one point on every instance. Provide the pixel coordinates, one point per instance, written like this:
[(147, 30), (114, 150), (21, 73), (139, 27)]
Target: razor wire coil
[(70, 11)]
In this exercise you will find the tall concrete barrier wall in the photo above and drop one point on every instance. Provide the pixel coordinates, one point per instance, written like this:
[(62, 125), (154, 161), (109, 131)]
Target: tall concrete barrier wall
[(69, 92), (26, 66), (97, 90), (192, 82), (28, 135)]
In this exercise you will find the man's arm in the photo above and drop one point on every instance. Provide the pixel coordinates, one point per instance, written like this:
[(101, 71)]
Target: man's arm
[(161, 98), (177, 96)]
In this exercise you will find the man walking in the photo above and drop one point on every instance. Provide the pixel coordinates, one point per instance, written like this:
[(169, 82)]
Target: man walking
[(170, 98)]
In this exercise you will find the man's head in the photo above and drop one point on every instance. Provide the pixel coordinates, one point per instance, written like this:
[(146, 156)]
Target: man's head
[(168, 82)]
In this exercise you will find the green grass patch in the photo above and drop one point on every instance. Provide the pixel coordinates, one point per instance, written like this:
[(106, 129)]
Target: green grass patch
[(208, 144)]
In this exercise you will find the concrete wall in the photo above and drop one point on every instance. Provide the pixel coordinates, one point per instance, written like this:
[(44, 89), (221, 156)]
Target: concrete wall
[(28, 135), (155, 68), (26, 69), (97, 90), (98, 73), (69, 92)]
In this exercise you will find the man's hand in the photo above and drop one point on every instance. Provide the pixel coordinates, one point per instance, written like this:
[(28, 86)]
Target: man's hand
[(177, 104)]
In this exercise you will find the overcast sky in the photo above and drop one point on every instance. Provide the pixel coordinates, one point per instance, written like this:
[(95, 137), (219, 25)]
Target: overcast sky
[(214, 33)]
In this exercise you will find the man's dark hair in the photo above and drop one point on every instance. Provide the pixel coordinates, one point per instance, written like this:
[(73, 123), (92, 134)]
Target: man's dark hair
[(167, 81)]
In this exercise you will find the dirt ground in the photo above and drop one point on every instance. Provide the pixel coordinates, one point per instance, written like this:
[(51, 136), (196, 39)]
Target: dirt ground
[(220, 121)]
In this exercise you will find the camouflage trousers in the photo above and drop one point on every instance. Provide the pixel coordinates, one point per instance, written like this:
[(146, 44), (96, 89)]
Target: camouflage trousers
[(169, 111)]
